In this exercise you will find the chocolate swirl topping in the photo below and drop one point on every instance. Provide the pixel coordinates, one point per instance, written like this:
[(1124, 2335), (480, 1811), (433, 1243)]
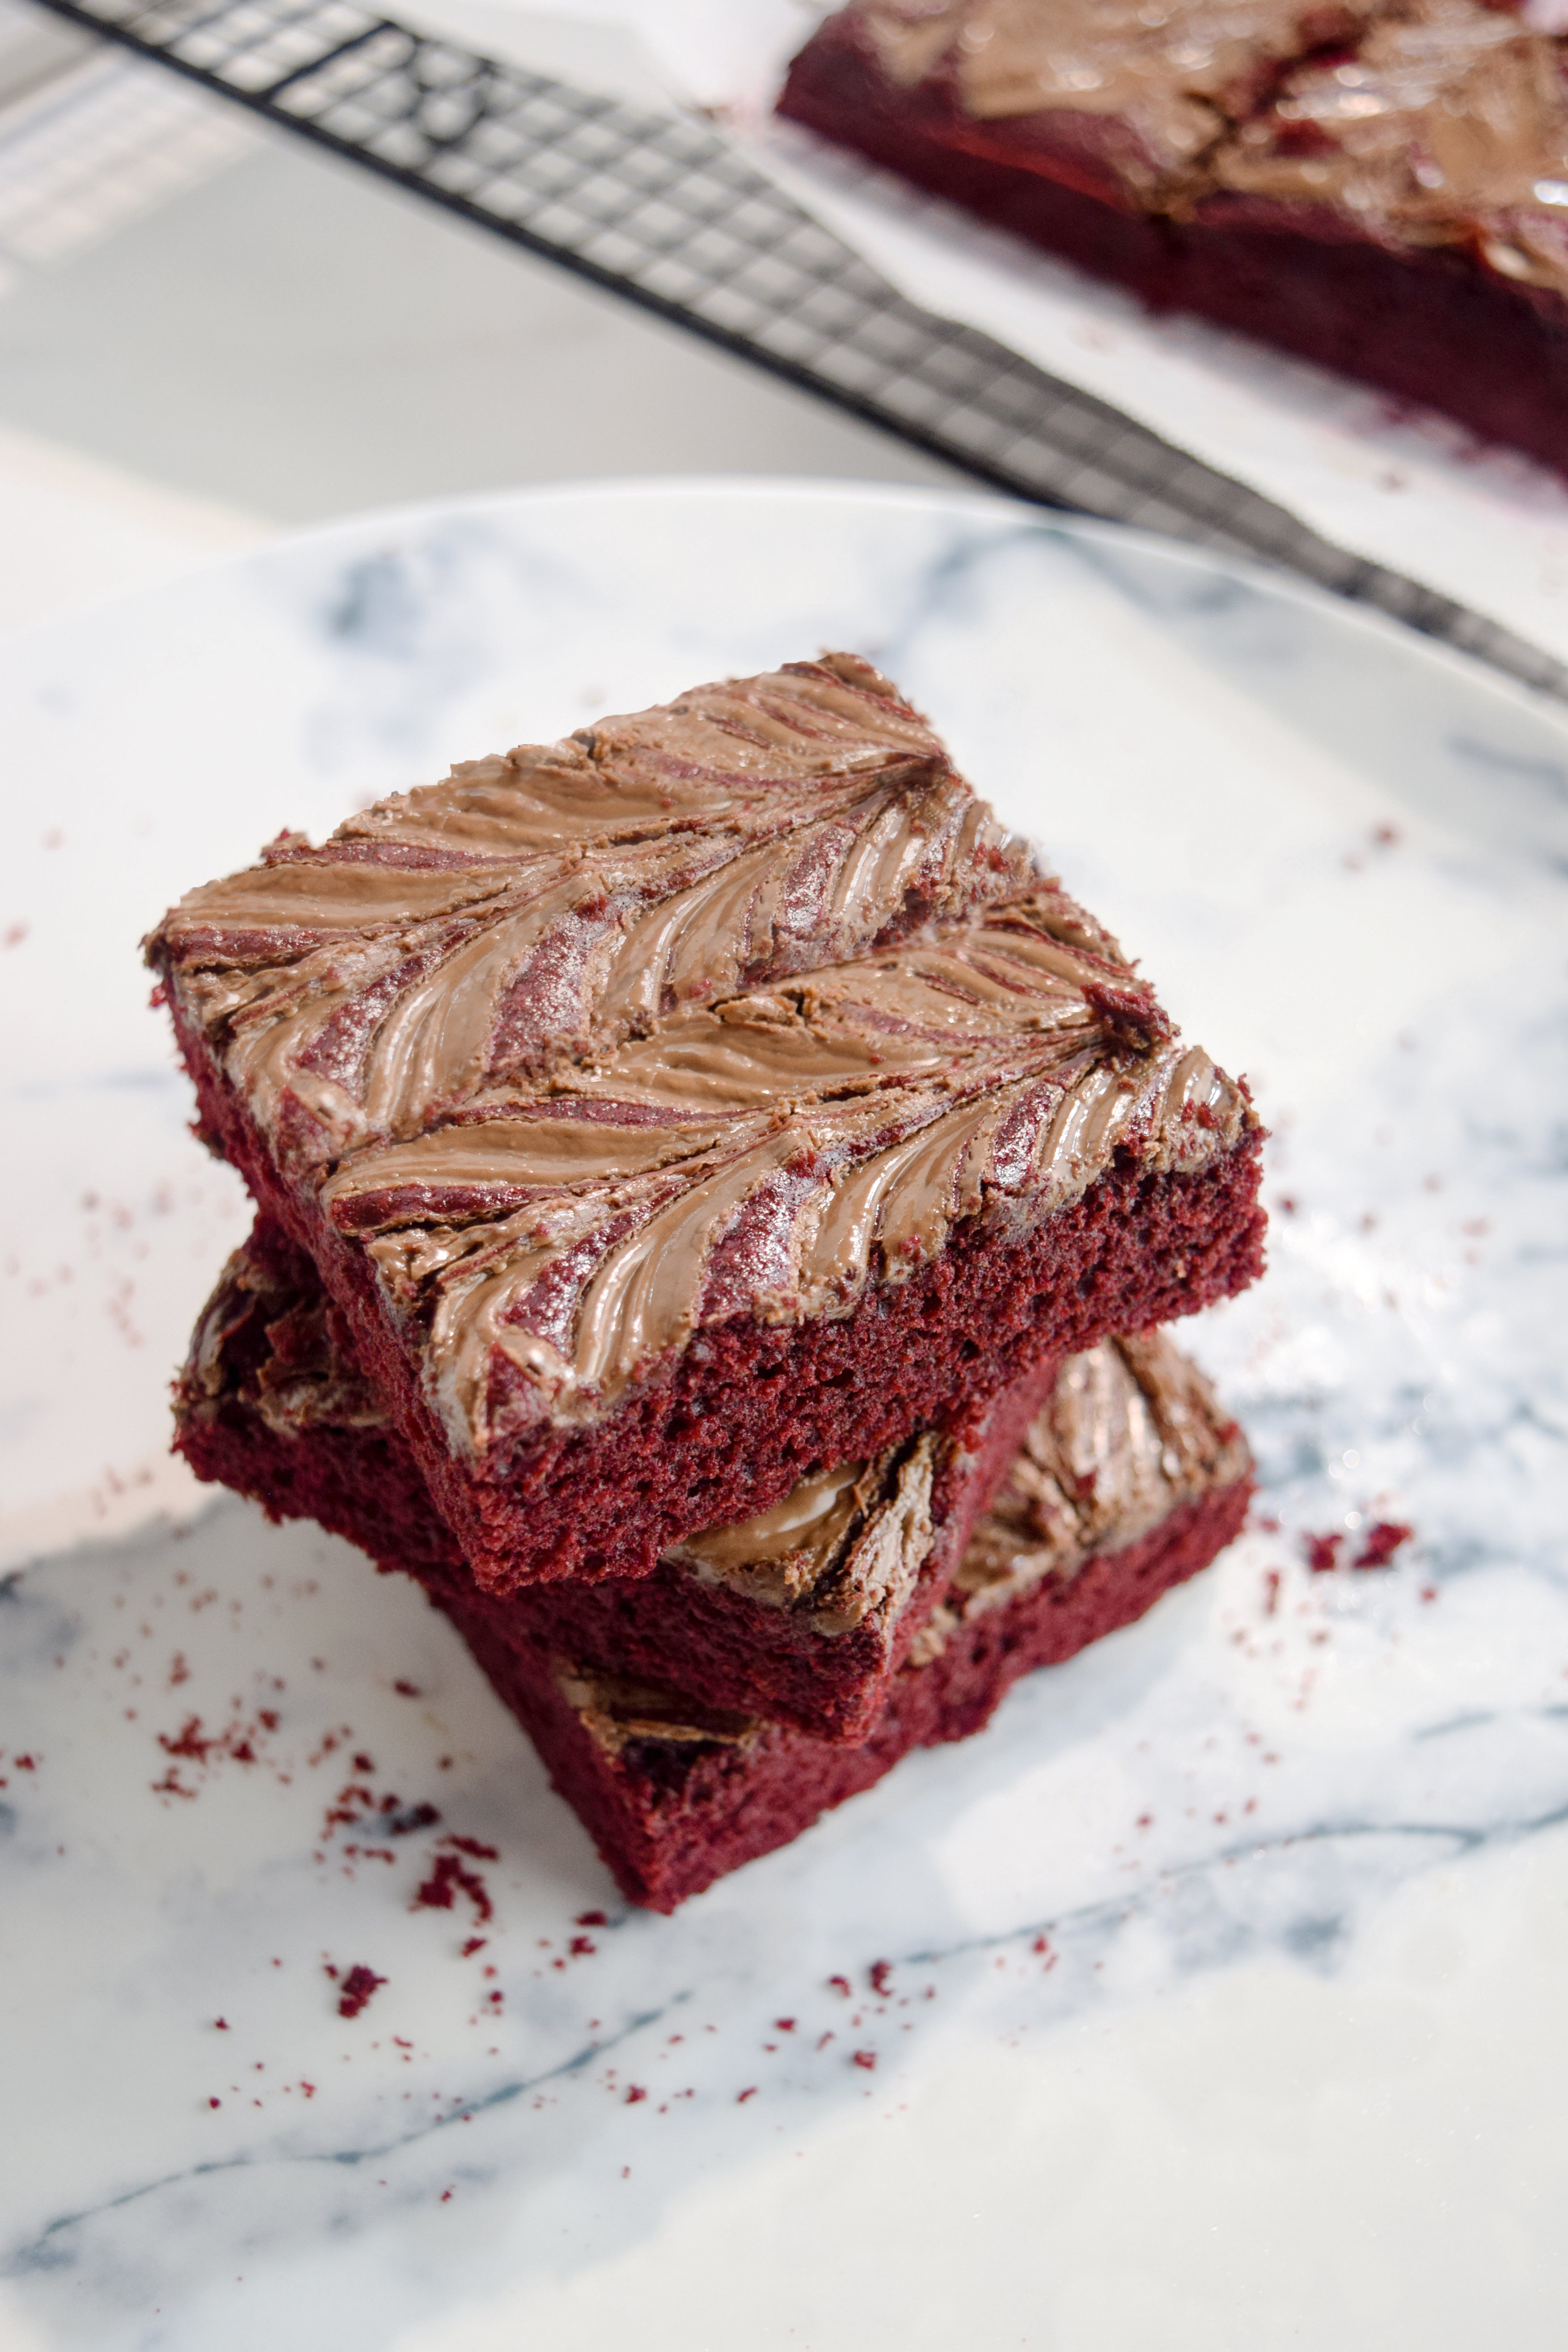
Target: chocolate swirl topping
[(1131, 1429), (1172, 73), (1429, 122), (734, 1006)]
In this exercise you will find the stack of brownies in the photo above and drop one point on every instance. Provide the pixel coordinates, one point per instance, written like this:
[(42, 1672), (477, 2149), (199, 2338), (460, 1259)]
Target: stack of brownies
[(718, 1198)]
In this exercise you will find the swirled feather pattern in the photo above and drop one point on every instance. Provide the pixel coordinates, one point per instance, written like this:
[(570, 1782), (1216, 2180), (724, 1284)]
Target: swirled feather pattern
[(731, 1007)]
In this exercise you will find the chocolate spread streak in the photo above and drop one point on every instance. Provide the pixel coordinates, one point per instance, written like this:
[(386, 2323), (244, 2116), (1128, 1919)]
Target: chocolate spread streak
[(1425, 122), (1131, 1430), (1170, 76), (733, 1007)]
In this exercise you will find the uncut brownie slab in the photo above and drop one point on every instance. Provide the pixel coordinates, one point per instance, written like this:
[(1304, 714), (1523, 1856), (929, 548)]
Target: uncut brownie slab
[(1129, 1479), (801, 1615), (1379, 186), (687, 1107)]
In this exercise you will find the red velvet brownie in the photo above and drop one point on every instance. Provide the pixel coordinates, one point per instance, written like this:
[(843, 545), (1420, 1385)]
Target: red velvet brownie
[(1380, 185), (682, 1109), (801, 1615), (1129, 1479)]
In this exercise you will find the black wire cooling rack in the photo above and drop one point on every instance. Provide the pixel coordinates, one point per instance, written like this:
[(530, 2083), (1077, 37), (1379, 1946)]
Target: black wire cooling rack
[(660, 209)]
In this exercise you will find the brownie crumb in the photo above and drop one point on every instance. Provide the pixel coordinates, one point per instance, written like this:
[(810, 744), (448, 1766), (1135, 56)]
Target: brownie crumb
[(448, 1876), (357, 1988), (1382, 1541)]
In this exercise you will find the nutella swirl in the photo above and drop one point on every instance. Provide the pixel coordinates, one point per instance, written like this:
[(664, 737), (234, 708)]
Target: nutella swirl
[(1131, 1429), (1424, 123)]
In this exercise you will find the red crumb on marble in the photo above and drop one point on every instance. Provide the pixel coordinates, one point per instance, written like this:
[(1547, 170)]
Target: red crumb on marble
[(841, 1985), (742, 2096), (634, 2093), (880, 1973), (357, 1988), (1322, 1552), (592, 1919), (406, 1690), (1380, 1543), (866, 2058), (448, 1876)]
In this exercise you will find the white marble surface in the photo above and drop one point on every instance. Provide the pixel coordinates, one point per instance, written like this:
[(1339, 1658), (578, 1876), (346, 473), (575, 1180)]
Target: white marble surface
[(1287, 2066)]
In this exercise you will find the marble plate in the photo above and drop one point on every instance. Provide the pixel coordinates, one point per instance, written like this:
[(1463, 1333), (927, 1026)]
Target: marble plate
[(1087, 2111)]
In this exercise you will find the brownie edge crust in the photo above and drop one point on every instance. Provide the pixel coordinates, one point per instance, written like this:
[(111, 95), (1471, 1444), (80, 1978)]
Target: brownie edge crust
[(679, 1111)]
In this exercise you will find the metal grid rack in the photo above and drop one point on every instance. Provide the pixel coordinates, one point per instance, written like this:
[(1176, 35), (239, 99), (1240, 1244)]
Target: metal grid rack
[(660, 209)]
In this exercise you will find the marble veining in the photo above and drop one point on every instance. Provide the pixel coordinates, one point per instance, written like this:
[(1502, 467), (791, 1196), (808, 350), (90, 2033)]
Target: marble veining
[(233, 1759)]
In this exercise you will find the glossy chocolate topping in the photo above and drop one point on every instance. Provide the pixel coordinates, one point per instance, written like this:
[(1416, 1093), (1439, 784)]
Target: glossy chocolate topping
[(1131, 1430), (1173, 73), (1427, 121), (1448, 124), (735, 1006), (837, 1549)]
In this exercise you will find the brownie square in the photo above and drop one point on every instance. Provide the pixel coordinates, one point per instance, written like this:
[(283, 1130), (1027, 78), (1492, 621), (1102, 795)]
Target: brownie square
[(683, 1109), (1378, 185), (801, 1616), (1128, 1480)]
